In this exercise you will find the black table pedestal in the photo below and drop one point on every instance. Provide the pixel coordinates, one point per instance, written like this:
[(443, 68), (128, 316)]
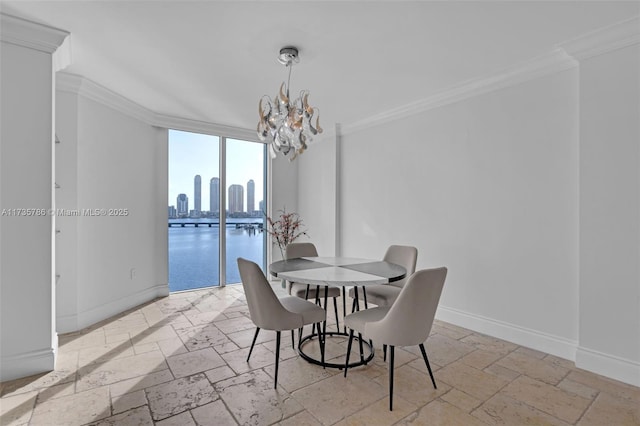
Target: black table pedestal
[(363, 359)]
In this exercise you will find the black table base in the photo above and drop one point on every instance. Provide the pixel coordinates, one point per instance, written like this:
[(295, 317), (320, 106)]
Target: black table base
[(363, 344)]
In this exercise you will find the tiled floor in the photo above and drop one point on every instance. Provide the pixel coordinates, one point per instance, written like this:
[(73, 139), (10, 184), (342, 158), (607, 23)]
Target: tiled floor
[(181, 361)]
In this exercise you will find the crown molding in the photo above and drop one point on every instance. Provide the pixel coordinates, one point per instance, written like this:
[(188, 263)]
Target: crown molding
[(563, 57), (178, 123), (76, 84), (62, 55), (29, 34), (81, 86), (616, 36), (551, 63), (67, 82)]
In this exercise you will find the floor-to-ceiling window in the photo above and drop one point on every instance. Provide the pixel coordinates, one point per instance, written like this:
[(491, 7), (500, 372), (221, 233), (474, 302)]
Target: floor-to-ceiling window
[(245, 166), (216, 197)]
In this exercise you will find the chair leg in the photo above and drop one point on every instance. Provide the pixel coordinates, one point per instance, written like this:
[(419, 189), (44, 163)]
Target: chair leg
[(384, 351), (275, 384), (293, 346), (356, 299), (335, 309), (364, 296), (344, 306), (255, 336), (346, 363), (322, 342), (361, 348), (319, 303), (426, 361), (391, 353), (324, 324)]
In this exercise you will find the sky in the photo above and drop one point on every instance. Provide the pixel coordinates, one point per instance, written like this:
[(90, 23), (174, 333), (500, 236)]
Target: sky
[(192, 154)]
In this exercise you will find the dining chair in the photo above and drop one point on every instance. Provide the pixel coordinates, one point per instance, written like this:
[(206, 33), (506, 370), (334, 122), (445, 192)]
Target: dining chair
[(305, 291), (405, 323), (385, 294), (269, 312)]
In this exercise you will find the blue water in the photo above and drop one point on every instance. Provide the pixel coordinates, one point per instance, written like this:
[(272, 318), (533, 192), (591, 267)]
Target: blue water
[(193, 253)]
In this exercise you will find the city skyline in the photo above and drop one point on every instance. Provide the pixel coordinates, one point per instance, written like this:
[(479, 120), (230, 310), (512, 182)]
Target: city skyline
[(235, 198), (192, 154)]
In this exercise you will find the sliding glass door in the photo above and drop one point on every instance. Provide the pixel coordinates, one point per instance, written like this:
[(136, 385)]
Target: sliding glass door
[(216, 197)]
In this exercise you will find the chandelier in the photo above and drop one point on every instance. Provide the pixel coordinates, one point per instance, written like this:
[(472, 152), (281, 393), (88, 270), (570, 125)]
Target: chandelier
[(287, 124)]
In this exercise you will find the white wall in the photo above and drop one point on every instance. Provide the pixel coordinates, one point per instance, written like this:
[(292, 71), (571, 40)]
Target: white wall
[(610, 214), (317, 194), (27, 340), (284, 192), (66, 157), (114, 161), (487, 187)]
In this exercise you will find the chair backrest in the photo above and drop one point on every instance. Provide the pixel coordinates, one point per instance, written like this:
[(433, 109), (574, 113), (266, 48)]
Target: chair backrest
[(264, 307), (410, 318), (406, 256), (295, 250)]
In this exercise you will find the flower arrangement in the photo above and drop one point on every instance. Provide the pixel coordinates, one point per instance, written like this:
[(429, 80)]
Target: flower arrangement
[(286, 229)]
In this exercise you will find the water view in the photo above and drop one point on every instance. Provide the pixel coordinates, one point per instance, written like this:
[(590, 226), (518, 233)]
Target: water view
[(194, 251)]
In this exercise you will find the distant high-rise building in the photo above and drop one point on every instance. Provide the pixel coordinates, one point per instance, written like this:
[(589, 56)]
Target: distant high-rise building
[(183, 205), (251, 193), (261, 204), (214, 195), (197, 194), (236, 199), (171, 212)]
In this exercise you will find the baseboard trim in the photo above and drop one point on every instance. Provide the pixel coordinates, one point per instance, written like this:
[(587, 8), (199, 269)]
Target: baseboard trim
[(607, 365), (76, 322), (554, 345), (26, 364), (624, 370), (66, 323)]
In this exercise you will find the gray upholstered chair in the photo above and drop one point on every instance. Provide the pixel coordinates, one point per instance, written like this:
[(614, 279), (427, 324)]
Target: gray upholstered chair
[(269, 312), (405, 323), (385, 294), (296, 250)]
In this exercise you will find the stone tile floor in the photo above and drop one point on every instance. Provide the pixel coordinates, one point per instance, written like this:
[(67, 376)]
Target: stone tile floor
[(181, 360)]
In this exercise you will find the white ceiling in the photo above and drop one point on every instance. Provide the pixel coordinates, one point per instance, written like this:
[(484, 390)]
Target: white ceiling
[(212, 60)]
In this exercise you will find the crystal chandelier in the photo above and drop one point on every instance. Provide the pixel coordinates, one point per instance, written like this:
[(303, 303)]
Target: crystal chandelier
[(287, 124)]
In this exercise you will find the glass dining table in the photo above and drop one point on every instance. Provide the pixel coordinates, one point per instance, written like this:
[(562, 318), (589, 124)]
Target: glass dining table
[(337, 272)]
